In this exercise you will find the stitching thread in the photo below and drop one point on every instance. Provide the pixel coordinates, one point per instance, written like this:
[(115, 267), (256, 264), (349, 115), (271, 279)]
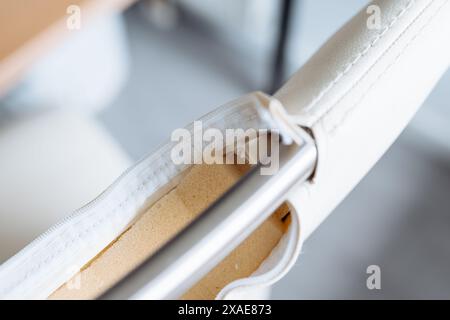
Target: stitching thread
[(97, 222), (361, 54), (81, 233), (349, 111)]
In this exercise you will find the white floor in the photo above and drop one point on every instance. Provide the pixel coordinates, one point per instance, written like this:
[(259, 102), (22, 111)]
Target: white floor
[(397, 218)]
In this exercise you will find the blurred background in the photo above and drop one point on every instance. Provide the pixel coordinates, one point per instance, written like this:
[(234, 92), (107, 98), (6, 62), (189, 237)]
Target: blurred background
[(130, 78)]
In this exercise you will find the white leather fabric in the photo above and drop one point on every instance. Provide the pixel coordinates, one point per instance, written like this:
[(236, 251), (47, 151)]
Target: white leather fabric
[(355, 96), (52, 259), (359, 92)]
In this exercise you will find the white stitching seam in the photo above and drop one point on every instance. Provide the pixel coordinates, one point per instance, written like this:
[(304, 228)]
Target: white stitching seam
[(330, 109), (81, 233), (361, 54), (349, 111)]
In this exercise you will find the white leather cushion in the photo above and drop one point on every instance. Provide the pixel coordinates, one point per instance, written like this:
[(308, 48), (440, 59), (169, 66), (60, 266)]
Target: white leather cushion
[(50, 165), (360, 90)]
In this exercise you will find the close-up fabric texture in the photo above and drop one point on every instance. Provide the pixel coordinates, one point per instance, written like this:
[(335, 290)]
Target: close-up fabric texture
[(201, 150)]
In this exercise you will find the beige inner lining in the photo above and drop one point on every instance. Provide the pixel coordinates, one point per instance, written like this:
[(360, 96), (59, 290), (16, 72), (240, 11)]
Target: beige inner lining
[(200, 187)]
